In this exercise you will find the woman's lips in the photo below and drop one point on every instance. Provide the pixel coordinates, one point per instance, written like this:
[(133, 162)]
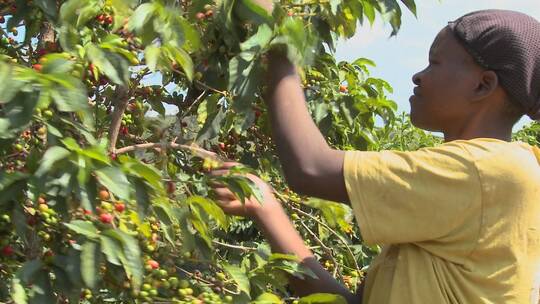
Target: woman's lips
[(416, 95)]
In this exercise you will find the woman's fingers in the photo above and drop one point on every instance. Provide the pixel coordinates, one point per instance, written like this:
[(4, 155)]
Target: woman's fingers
[(218, 172), (222, 193), (228, 165)]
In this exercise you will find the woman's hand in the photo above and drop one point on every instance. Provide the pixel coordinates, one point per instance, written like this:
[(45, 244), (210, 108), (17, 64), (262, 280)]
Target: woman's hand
[(232, 205)]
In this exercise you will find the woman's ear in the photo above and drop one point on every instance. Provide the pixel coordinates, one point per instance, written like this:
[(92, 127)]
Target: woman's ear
[(487, 84)]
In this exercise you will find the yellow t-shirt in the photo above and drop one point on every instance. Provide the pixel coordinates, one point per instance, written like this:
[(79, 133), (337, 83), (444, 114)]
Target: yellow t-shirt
[(459, 223)]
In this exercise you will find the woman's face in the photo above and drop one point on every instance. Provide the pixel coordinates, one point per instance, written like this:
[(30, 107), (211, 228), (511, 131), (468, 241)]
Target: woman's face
[(443, 92)]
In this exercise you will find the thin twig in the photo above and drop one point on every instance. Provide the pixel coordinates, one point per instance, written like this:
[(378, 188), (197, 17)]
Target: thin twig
[(201, 97), (244, 248), (116, 121), (325, 226), (192, 275), (204, 85), (194, 149), (325, 248)]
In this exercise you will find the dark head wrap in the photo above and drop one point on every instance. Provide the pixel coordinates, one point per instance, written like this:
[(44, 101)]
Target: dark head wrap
[(507, 43)]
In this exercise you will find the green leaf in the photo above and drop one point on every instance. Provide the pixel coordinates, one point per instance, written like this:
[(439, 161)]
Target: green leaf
[(90, 264), (96, 153), (369, 11), (69, 38), (164, 212), (71, 265), (85, 228), (212, 125), (258, 41), (87, 13), (71, 144), (152, 54), (267, 298), (111, 64), (18, 294), (323, 298), (410, 5), (112, 250), (239, 276), (51, 156), (28, 270), (142, 170), (249, 10), (8, 86), (114, 180), (141, 16), (9, 178), (141, 196), (335, 214), (18, 114), (131, 259), (282, 256), (41, 288), (210, 208), (181, 57), (245, 74), (56, 64)]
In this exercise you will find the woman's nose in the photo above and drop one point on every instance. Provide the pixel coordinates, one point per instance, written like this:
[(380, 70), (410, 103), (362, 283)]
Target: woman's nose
[(416, 78)]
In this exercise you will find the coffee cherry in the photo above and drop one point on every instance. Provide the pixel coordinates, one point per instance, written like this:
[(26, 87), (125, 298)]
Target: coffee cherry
[(42, 131), (109, 19), (106, 218), (200, 15), (171, 187), (150, 248), (113, 156), (221, 146), (37, 67), (31, 220), (119, 207), (2, 20), (343, 88), (104, 195), (132, 107), (43, 207), (7, 251), (209, 13), (153, 264), (47, 114)]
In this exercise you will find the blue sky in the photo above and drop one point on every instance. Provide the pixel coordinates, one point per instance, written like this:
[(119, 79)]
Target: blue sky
[(399, 57)]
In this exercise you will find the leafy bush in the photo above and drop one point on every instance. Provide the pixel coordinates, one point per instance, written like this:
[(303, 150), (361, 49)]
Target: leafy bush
[(113, 110)]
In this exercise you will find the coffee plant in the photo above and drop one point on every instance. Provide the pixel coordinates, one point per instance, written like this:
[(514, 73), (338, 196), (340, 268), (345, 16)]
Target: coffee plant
[(113, 111)]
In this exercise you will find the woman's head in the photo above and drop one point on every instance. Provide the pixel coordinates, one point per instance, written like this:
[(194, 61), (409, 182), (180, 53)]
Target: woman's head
[(484, 63)]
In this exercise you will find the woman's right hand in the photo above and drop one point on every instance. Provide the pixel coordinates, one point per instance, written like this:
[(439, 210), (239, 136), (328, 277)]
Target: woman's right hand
[(251, 206)]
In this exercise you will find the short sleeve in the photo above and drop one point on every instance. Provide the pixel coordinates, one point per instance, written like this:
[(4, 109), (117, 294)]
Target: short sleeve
[(408, 197)]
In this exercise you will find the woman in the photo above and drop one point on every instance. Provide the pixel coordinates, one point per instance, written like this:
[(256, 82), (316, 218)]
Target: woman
[(460, 223)]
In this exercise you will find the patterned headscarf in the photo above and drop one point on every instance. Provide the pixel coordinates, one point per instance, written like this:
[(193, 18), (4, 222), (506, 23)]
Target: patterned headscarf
[(507, 43)]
